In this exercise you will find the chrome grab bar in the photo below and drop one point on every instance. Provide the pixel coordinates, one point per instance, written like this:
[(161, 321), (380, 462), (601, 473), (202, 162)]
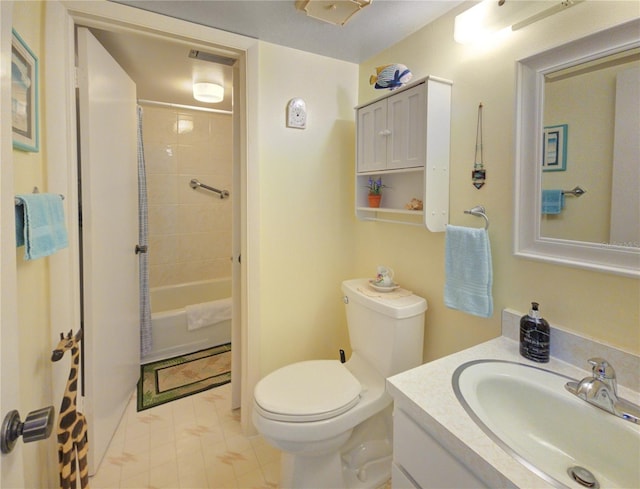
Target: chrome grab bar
[(195, 183)]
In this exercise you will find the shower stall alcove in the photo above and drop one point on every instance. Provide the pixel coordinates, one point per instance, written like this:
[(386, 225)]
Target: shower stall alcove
[(190, 230)]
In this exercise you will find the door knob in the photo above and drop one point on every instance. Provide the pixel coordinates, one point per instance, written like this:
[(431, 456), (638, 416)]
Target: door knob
[(37, 426)]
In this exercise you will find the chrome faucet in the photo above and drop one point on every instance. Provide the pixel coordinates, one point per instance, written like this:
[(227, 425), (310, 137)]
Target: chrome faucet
[(601, 390)]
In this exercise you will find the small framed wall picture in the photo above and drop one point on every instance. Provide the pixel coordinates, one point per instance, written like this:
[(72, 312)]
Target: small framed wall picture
[(297, 113), (554, 148), (24, 96)]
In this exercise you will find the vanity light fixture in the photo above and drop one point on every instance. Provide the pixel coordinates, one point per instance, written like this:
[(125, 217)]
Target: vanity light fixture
[(492, 16), (336, 12), (208, 92)]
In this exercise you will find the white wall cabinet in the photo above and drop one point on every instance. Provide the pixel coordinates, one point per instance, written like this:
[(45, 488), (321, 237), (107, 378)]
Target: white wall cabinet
[(390, 132), (404, 139)]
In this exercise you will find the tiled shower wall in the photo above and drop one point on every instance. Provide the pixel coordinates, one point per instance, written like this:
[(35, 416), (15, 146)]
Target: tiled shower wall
[(189, 230)]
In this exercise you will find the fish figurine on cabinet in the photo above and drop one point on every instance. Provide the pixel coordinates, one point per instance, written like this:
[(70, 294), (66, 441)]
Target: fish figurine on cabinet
[(391, 76)]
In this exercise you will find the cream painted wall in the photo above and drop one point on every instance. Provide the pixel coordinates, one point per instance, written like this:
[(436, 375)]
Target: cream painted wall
[(604, 307), (33, 278), (306, 205), (309, 238)]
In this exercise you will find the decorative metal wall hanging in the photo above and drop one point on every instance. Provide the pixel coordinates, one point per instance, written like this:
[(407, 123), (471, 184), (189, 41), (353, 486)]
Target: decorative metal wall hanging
[(479, 174)]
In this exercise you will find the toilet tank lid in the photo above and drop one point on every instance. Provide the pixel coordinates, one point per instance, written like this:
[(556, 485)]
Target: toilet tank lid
[(390, 305)]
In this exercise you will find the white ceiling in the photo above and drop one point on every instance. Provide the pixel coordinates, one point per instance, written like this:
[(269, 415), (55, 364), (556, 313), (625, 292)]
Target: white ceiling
[(163, 71), (369, 31)]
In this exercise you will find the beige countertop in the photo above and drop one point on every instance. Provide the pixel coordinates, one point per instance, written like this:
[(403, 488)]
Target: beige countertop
[(427, 395)]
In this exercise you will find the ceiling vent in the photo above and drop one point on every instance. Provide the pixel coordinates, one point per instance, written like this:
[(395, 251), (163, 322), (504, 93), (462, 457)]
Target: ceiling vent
[(211, 58), (336, 12)]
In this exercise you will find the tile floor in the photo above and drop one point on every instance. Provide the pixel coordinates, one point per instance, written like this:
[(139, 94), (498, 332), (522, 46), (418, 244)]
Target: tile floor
[(195, 442)]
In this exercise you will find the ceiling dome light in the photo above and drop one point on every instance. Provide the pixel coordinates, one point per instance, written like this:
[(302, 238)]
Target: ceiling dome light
[(336, 12), (208, 92)]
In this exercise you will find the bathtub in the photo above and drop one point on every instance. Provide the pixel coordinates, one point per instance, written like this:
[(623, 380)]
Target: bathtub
[(169, 319)]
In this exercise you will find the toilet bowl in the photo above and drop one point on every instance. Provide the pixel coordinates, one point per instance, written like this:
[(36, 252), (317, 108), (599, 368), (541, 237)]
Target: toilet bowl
[(332, 420)]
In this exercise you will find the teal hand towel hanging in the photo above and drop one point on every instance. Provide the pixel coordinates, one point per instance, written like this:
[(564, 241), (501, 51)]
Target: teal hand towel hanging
[(40, 224), (468, 270)]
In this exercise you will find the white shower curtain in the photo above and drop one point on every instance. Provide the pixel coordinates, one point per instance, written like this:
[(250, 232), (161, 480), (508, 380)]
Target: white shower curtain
[(146, 339)]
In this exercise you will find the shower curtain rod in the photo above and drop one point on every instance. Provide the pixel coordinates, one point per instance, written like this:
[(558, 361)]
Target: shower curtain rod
[(188, 107)]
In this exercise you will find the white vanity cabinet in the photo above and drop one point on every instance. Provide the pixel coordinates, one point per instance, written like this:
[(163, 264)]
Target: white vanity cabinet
[(420, 462), (403, 138)]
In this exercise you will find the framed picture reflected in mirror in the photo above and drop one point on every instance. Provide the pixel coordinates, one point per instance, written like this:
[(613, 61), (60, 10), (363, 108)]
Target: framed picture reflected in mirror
[(554, 148)]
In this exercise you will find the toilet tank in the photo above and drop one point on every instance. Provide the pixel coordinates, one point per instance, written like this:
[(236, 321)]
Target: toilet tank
[(386, 330)]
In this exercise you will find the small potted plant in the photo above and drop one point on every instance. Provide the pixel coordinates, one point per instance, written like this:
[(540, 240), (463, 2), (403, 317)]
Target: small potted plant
[(375, 191)]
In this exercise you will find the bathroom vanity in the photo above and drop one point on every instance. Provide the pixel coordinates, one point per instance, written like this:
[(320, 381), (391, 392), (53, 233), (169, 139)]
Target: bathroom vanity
[(403, 139), (438, 445)]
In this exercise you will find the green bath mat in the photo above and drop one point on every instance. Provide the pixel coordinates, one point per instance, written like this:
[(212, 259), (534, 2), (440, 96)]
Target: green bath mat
[(167, 380)]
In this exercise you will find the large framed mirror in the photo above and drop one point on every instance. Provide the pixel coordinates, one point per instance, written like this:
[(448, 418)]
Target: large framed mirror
[(577, 153)]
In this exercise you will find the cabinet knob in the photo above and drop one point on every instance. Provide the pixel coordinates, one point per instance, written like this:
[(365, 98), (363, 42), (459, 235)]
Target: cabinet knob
[(385, 132)]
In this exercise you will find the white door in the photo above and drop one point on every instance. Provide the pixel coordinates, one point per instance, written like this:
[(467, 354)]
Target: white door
[(11, 465), (237, 275), (108, 167), (625, 200)]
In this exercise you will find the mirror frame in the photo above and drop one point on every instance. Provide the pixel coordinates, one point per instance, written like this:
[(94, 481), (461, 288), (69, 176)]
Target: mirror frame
[(530, 74)]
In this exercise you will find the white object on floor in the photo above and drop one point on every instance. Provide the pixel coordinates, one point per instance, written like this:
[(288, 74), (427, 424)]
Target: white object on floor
[(208, 313)]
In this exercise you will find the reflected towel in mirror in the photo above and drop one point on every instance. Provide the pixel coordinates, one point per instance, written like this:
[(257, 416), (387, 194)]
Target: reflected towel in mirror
[(552, 201)]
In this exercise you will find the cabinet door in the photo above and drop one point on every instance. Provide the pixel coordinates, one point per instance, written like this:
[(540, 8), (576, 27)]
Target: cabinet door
[(372, 137), (406, 141), (425, 460)]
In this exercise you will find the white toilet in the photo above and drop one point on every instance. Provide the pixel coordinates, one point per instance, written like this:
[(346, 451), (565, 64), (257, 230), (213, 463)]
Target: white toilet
[(332, 420)]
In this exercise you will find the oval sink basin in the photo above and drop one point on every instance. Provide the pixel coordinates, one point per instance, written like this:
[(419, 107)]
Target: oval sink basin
[(527, 411)]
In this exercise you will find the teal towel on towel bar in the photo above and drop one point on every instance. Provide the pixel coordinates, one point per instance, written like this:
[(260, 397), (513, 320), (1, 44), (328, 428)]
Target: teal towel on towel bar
[(40, 225), (552, 201), (468, 269)]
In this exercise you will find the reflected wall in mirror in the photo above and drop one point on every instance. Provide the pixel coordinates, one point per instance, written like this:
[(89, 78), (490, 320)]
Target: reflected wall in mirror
[(589, 91), (600, 101)]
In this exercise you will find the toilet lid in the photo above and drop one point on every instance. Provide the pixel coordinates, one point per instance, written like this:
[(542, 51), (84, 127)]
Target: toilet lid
[(307, 391)]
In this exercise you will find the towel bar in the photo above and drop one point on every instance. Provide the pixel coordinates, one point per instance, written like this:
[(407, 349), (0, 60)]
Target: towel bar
[(479, 211), (576, 191), (17, 201)]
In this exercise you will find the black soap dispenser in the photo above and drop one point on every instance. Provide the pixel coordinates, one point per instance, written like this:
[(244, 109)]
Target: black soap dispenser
[(534, 336)]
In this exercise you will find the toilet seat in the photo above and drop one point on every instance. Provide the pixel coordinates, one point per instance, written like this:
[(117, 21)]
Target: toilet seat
[(307, 391)]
